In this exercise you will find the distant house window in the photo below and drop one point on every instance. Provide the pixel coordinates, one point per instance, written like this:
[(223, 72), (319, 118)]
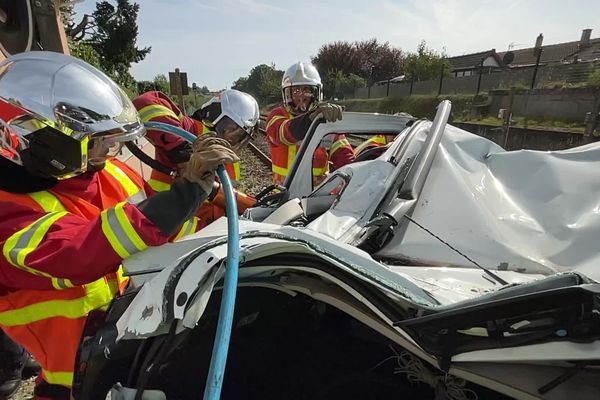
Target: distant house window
[(459, 74), (468, 73)]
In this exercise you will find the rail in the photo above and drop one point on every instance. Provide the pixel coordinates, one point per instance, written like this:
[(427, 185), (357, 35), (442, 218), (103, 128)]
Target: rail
[(265, 159)]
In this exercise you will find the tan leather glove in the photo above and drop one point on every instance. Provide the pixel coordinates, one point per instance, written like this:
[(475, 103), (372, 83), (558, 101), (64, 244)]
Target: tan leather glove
[(331, 112), (208, 153)]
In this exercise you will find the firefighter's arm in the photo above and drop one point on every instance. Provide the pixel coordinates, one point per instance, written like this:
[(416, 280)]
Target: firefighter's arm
[(285, 131), (174, 148), (340, 152), (66, 249), (62, 249)]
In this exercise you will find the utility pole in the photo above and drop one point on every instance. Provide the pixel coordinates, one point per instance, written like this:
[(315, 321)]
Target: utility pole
[(195, 89), (508, 117), (479, 78), (178, 86), (537, 51), (441, 80)]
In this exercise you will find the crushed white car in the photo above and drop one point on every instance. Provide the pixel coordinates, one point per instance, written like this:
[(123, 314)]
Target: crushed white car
[(439, 266)]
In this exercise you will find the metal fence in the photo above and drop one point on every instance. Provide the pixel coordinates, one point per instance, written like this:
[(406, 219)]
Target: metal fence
[(550, 75)]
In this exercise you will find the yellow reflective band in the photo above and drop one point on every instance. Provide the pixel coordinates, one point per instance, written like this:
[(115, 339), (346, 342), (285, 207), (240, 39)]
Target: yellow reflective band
[(280, 171), (318, 171), (236, 171), (205, 129), (119, 232), (58, 378), (47, 201), (273, 120), (381, 139), (152, 111), (61, 283), (291, 156), (117, 173), (338, 144), (159, 186), (188, 227), (282, 136), (84, 151), (98, 294), (129, 229), (22, 243)]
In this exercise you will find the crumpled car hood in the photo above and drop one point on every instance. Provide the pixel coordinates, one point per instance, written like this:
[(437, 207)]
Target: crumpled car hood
[(528, 211)]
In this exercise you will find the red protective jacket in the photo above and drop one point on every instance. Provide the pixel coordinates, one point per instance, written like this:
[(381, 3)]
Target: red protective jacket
[(284, 146), (61, 251)]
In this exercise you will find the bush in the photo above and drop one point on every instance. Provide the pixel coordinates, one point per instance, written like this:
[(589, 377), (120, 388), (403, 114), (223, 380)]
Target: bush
[(594, 79)]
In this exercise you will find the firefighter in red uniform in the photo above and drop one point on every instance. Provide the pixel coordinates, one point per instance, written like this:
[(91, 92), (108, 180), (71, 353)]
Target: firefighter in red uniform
[(287, 124), (232, 114), (68, 214), (372, 142)]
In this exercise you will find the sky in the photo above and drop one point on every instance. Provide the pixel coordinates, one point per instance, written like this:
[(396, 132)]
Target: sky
[(218, 41)]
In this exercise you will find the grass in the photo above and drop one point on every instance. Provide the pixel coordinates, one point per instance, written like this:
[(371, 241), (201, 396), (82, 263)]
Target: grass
[(419, 105), (524, 122)]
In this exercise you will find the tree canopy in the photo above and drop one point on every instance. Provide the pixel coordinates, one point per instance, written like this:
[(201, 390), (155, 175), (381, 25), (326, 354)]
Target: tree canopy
[(426, 64), (263, 82)]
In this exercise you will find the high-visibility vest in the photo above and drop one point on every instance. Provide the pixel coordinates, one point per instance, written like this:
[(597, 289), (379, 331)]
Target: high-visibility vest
[(159, 181), (49, 323), (373, 141)]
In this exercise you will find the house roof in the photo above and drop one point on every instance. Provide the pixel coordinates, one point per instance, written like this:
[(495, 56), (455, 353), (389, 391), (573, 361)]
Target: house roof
[(473, 60), (557, 52)]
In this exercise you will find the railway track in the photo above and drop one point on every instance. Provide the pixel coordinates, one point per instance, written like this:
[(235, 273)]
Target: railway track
[(260, 147)]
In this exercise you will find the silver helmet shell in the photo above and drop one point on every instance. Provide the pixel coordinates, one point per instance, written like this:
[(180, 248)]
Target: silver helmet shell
[(52, 106), (301, 74), (241, 107)]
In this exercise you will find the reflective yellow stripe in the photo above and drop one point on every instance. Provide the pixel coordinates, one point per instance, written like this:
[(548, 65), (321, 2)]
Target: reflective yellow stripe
[(282, 136), (21, 244), (98, 294), (291, 156), (378, 139), (236, 171), (159, 186), (152, 111), (84, 150), (338, 144), (318, 171), (280, 171), (121, 235), (47, 201), (135, 194), (58, 378), (117, 173), (188, 227), (273, 120)]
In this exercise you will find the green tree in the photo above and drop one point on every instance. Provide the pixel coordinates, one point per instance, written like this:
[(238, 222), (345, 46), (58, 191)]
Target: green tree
[(368, 59), (204, 90), (161, 83), (115, 39), (263, 82), (339, 85), (426, 64)]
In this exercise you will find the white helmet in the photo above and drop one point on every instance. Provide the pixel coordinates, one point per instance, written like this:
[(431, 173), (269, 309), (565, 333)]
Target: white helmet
[(240, 107), (301, 74)]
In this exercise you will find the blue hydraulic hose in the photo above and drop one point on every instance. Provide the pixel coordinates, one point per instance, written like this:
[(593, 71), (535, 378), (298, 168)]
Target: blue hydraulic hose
[(214, 382)]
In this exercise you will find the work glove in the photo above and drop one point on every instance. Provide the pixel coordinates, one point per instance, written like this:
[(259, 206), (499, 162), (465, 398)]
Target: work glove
[(331, 112), (208, 152)]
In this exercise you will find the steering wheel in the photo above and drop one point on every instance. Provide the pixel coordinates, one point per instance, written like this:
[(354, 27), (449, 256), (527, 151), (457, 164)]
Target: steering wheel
[(371, 154), (266, 197)]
